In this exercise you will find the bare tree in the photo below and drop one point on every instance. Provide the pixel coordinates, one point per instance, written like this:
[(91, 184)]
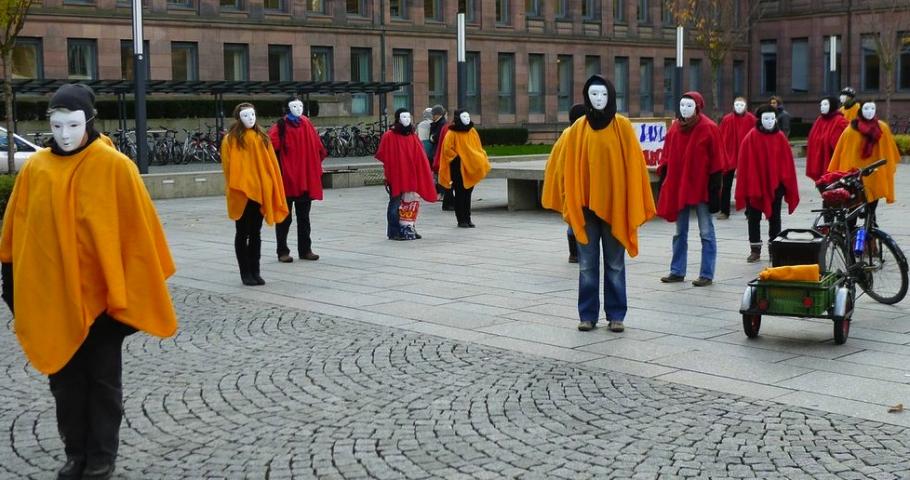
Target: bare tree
[(889, 20), (717, 27), (12, 18)]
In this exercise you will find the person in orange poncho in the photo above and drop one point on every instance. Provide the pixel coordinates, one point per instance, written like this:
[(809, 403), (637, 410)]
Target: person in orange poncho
[(767, 175), (596, 177), (823, 137), (253, 186), (733, 128), (404, 162), (866, 141), (849, 106), (691, 163), (85, 263), (462, 163)]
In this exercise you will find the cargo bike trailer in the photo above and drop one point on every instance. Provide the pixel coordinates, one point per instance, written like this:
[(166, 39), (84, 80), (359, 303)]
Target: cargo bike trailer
[(849, 256)]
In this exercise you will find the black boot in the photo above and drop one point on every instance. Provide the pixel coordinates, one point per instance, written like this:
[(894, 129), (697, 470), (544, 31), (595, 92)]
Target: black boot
[(755, 254), (241, 248), (573, 248), (253, 257)]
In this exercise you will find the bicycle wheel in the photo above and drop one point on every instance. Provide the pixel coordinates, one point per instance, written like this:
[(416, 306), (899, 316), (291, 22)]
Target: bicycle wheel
[(886, 268), (837, 256)]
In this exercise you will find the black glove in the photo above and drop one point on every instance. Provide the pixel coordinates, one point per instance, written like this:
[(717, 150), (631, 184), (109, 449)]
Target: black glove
[(715, 183), (7, 277)]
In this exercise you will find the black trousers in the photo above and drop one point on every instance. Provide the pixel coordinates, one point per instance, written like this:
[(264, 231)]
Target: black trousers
[(462, 195), (248, 239), (754, 217), (725, 192), (89, 394), (301, 205)]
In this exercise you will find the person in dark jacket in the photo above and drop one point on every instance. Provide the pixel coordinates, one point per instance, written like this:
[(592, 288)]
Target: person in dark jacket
[(439, 121), (783, 116)]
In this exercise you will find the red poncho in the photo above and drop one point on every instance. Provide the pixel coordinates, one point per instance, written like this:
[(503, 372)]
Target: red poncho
[(733, 128), (823, 138), (405, 164), (689, 158), (765, 163), (300, 156)]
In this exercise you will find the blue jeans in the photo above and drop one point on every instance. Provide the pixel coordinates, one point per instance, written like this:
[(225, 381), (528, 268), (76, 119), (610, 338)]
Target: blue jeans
[(615, 303), (394, 228), (681, 242)]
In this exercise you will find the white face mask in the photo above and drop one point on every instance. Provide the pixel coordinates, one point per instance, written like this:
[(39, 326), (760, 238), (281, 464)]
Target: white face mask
[(768, 119), (843, 99), (739, 107), (824, 107), (687, 107), (68, 129), (869, 110), (295, 107), (248, 117), (598, 96), (405, 119), (465, 118)]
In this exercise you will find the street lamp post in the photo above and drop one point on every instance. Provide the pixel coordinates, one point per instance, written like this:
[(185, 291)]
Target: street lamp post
[(462, 68), (832, 66), (678, 71), (139, 88)]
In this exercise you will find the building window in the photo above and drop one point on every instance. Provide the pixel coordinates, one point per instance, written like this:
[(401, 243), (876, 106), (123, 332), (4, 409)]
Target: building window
[(869, 65), (321, 64), (830, 78), (646, 84), (28, 61), (644, 12), (536, 83), (739, 78), (280, 67), (506, 83), (799, 65), (695, 74), (402, 71), (532, 8), (564, 82), (236, 62), (275, 5), (472, 90), (437, 80), (361, 71), (666, 15), (503, 16), (398, 9), (592, 65), (184, 61), (432, 10), (619, 11), (315, 6), (356, 7), (180, 3), (903, 62), (127, 64), (469, 9), (621, 77), (231, 4), (768, 66), (669, 101), (82, 59), (590, 9), (562, 8)]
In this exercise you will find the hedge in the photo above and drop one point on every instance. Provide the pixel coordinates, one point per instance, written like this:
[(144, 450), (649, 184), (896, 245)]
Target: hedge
[(503, 136), (6, 189), (160, 108), (800, 129), (903, 143)]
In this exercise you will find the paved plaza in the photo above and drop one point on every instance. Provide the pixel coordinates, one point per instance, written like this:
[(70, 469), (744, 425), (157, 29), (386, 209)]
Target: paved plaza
[(456, 356)]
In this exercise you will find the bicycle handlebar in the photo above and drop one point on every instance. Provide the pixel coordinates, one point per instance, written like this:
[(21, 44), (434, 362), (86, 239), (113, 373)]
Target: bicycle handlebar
[(868, 169)]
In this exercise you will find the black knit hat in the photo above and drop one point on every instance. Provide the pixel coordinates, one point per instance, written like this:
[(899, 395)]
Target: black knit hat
[(73, 97)]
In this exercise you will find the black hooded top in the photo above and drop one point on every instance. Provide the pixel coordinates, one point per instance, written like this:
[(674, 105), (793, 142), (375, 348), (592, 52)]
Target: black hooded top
[(75, 97), (599, 119), (834, 102), (577, 111), (766, 108), (456, 124), (400, 129)]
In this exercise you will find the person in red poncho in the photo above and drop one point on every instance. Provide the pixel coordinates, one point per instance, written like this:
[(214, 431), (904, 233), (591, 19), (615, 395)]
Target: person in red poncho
[(406, 169), (691, 165), (733, 128), (823, 137), (767, 175), (300, 155)]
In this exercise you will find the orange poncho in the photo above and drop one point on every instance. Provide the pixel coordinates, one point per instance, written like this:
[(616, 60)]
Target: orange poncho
[(84, 238), (850, 113), (603, 171), (251, 173), (474, 162), (848, 154)]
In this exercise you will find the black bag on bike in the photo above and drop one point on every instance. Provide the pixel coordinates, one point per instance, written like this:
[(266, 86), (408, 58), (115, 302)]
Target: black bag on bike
[(799, 246)]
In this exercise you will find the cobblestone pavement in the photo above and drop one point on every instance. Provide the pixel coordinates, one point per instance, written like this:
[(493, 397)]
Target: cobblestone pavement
[(251, 390)]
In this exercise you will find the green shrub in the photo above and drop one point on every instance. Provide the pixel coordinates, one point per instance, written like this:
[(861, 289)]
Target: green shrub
[(903, 143), (800, 129), (503, 136), (6, 189)]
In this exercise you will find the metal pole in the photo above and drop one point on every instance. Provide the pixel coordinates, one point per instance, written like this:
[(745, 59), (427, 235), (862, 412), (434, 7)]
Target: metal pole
[(462, 67), (140, 81), (832, 65), (383, 96), (678, 71)]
